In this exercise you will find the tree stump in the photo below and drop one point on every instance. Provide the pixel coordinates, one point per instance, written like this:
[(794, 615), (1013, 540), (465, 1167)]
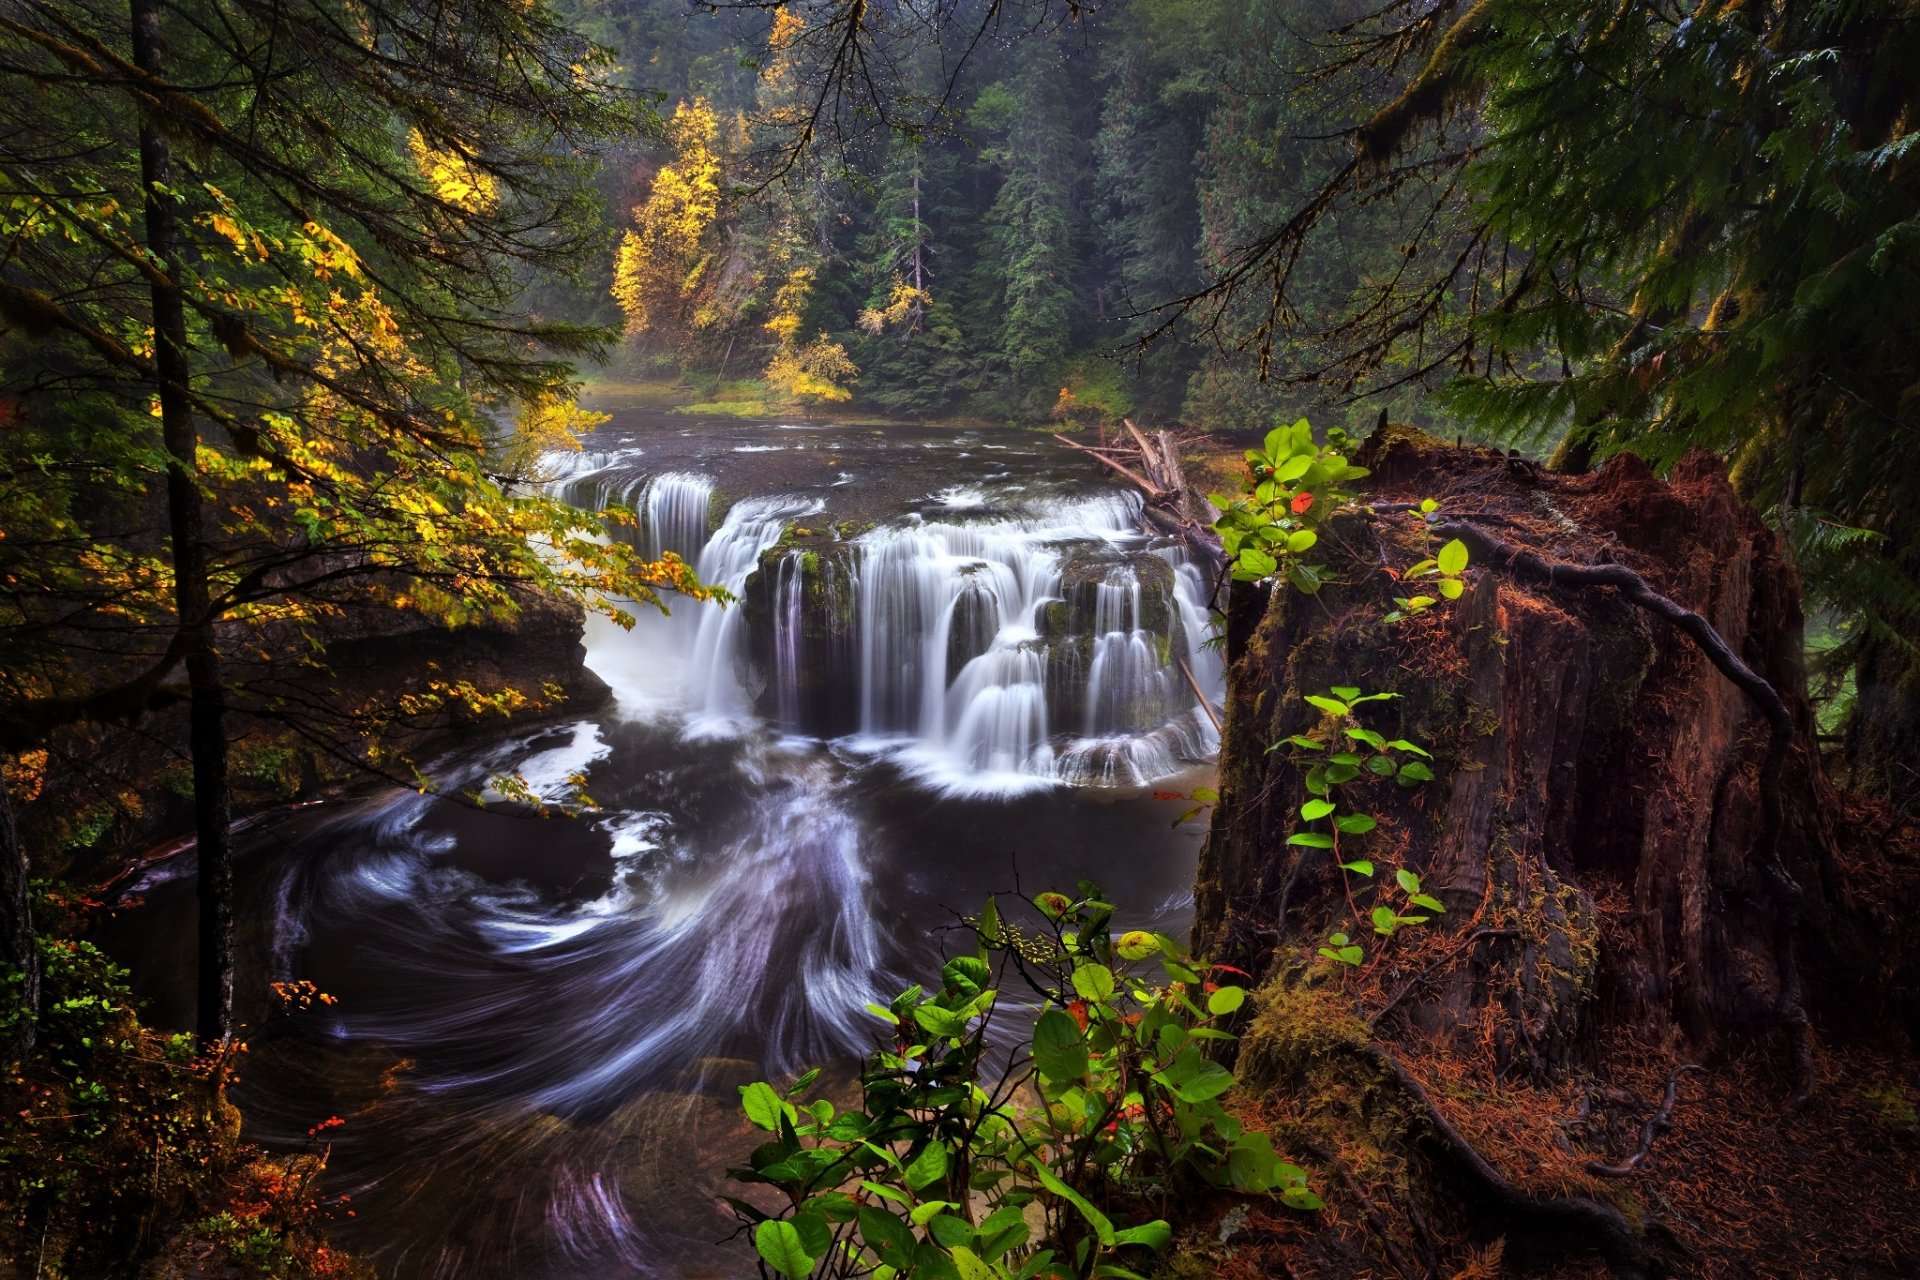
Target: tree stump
[(1641, 874)]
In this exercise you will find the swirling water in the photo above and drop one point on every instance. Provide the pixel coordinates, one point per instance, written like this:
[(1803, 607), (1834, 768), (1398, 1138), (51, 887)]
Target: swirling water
[(923, 695)]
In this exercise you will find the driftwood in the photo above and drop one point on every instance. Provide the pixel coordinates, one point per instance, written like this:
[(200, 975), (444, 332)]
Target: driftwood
[(1152, 465)]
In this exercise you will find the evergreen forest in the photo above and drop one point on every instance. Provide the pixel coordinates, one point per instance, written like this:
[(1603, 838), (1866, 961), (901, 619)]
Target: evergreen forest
[(959, 639)]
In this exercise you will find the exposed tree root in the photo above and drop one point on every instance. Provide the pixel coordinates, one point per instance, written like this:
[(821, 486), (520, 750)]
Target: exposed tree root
[(1604, 1226), (1661, 1121)]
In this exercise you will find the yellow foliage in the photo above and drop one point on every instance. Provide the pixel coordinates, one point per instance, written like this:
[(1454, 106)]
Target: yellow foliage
[(549, 424), (905, 306), (453, 175), (812, 374), (661, 263), (789, 302)]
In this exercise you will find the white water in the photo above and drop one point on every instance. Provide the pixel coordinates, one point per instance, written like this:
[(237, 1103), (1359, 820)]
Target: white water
[(994, 642)]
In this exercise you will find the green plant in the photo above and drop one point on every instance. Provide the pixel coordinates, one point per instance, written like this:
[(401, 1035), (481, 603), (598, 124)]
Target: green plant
[(1445, 566), (953, 1166), (1294, 486), (1338, 753)]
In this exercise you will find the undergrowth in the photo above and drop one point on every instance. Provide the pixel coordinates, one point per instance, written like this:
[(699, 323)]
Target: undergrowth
[(120, 1154)]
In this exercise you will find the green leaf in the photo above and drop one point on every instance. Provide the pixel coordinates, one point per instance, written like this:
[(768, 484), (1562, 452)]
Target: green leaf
[(1156, 1235), (1346, 692), (1451, 588), (1195, 1079), (887, 1236), (1407, 880), (883, 1013), (1314, 810), (1305, 743), (1359, 867), (1369, 737), (1293, 468), (778, 1244), (1430, 903), (1059, 1050), (1093, 982), (945, 1023), (763, 1106), (1311, 839), (928, 1167), (927, 1211), (1205, 795), (1385, 920), (970, 1266), (1254, 564), (1101, 1224), (1226, 1000), (885, 1192), (1301, 540), (1301, 1198), (1452, 558), (1415, 771), (1401, 744), (1355, 824), (1332, 706), (1382, 765)]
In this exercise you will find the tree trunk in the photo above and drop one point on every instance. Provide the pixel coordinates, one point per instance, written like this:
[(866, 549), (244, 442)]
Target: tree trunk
[(186, 528), (19, 952), (1636, 855), (1883, 731)]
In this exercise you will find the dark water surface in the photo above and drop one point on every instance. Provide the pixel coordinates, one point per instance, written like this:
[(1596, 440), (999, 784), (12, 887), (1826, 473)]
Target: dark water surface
[(541, 1023)]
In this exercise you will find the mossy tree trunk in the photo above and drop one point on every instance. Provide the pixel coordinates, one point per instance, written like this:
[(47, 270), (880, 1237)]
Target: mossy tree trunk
[(1621, 897)]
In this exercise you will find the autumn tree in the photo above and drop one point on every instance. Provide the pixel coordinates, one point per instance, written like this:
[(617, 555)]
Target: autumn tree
[(290, 237), (668, 269)]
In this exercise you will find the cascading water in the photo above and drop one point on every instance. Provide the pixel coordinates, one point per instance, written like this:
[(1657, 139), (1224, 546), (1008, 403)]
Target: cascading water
[(541, 1025), (1001, 641)]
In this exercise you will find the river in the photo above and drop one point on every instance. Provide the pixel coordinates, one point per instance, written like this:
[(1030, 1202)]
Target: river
[(952, 670)]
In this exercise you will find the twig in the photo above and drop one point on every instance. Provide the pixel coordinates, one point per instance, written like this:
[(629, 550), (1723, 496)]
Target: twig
[(1661, 1122), (1200, 693), (1144, 483)]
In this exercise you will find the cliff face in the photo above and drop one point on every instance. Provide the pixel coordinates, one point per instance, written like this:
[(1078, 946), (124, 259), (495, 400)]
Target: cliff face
[(1632, 882)]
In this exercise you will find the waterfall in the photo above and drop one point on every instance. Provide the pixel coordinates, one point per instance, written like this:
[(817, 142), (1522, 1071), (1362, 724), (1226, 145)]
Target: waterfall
[(992, 640), (752, 525), (676, 516)]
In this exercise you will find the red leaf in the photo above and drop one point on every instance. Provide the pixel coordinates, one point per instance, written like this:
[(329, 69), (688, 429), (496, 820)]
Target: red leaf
[(1301, 501)]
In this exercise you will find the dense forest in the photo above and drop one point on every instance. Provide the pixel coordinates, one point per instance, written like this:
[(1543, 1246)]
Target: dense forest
[(959, 638), (1008, 236)]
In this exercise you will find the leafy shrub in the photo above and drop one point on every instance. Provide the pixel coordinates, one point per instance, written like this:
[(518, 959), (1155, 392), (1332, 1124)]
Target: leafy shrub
[(964, 1165)]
